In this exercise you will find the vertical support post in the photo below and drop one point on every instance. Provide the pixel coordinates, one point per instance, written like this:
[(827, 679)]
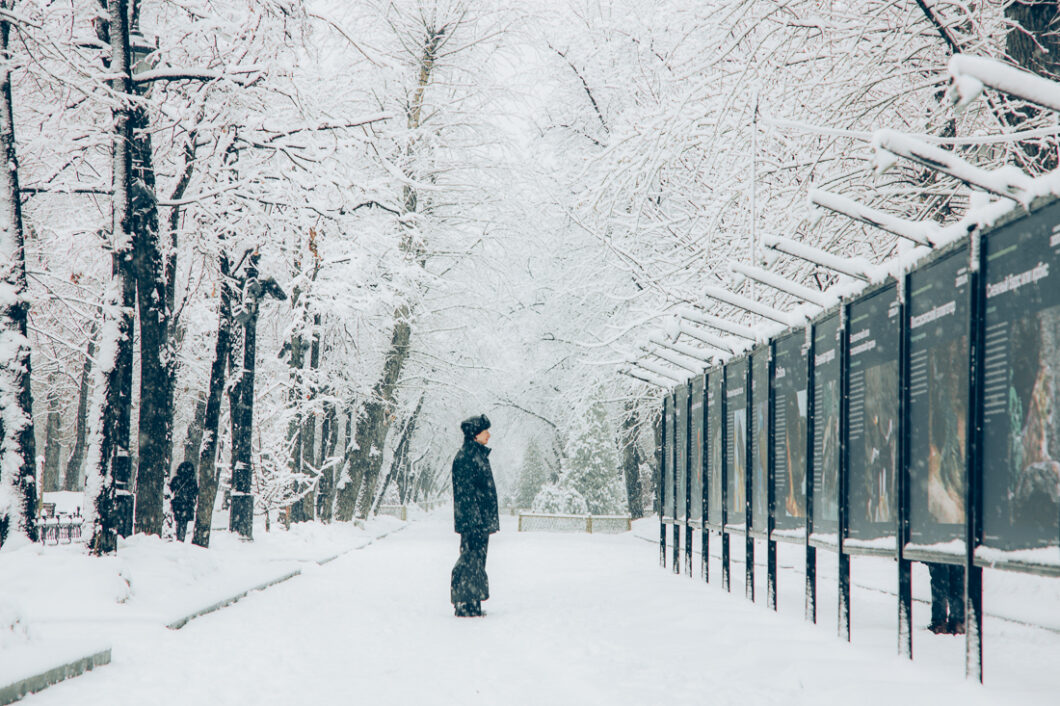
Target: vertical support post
[(973, 505), (688, 480), (844, 468), (704, 532), (749, 541), (905, 573), (672, 470), (660, 490), (726, 577), (811, 551), (771, 544)]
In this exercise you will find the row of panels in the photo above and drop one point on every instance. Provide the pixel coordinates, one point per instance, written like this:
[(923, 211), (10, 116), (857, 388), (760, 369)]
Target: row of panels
[(873, 420)]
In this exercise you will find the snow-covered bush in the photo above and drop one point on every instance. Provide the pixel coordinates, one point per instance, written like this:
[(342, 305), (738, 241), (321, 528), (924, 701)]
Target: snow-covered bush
[(560, 500)]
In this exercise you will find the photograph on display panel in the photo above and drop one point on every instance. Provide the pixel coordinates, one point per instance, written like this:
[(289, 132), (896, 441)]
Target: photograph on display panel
[(1021, 395), (736, 441), (715, 447), (826, 425), (696, 459), (681, 452), (939, 307), (760, 439), (789, 431), (872, 427)]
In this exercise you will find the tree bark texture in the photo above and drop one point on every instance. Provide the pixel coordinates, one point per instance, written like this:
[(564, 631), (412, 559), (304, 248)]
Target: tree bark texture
[(50, 475), (74, 478), (17, 443), (631, 461), (212, 413), (156, 356)]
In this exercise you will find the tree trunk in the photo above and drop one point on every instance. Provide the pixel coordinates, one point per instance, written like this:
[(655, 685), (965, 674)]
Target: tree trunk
[(306, 505), (17, 444), (295, 428), (73, 479), (329, 438), (241, 518), (155, 419), (631, 461), (193, 439), (109, 463), (50, 476), (212, 413)]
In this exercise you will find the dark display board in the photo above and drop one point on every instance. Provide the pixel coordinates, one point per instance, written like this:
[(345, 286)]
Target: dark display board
[(715, 446), (939, 304), (826, 394), (668, 457), (1021, 386), (872, 427), (696, 460), (789, 431), (736, 440), (681, 451), (760, 439)]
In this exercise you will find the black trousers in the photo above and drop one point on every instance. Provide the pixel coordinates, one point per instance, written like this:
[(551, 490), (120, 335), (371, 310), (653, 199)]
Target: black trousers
[(947, 593), (469, 580), (181, 525)]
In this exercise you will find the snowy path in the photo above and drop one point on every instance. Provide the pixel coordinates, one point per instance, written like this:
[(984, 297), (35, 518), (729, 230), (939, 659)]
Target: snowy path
[(575, 619)]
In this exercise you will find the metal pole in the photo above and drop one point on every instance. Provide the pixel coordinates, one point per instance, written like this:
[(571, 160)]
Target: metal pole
[(726, 582), (844, 469), (749, 540), (770, 450), (716, 322), (779, 283), (973, 496), (688, 481), (811, 551), (741, 302), (905, 571), (857, 269)]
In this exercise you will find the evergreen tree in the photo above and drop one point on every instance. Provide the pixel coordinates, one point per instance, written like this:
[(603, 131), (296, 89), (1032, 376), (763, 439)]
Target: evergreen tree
[(591, 465), (532, 477)]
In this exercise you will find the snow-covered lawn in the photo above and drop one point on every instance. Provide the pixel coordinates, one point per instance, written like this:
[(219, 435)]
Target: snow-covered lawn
[(574, 619), (58, 604)]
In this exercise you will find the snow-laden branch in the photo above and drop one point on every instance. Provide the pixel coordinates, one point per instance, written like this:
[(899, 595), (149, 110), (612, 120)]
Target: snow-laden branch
[(919, 232), (1008, 182), (971, 73), (170, 74), (747, 304), (856, 267), (772, 279)]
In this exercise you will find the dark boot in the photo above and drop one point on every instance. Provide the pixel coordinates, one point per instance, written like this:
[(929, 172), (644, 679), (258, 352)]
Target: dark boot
[(462, 610)]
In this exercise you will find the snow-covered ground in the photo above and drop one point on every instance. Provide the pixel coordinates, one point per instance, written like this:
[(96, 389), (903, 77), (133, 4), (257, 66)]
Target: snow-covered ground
[(574, 619)]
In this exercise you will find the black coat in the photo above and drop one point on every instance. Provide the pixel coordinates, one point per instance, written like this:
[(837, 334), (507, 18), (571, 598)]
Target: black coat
[(184, 487), (474, 493)]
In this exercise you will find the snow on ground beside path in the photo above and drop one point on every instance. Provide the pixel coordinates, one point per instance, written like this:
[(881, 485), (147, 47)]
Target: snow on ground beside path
[(574, 619), (60, 595)]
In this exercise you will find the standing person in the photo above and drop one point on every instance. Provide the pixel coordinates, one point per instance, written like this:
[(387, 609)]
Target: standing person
[(947, 599), (184, 492), (474, 517)]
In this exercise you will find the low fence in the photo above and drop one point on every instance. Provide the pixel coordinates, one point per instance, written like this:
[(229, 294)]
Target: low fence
[(593, 524), (60, 530), (399, 511)]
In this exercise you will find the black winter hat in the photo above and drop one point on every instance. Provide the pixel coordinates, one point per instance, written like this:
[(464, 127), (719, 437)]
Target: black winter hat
[(473, 426)]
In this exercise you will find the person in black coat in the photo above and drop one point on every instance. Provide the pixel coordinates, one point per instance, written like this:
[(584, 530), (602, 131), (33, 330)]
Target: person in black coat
[(184, 493), (475, 517)]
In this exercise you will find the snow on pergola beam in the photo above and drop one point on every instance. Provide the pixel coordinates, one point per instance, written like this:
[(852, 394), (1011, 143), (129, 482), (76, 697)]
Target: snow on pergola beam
[(645, 377), (741, 302), (771, 279), (919, 232), (706, 337), (971, 73), (699, 354), (1007, 182), (720, 324), (858, 268), (659, 370), (691, 365)]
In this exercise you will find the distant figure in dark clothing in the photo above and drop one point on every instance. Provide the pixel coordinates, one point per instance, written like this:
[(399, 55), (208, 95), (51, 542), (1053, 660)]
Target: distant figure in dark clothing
[(947, 599), (474, 517), (184, 493)]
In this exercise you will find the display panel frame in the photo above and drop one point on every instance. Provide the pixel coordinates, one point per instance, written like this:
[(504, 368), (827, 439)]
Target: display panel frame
[(791, 462), (826, 453), (715, 457), (736, 444), (697, 416), (758, 470)]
